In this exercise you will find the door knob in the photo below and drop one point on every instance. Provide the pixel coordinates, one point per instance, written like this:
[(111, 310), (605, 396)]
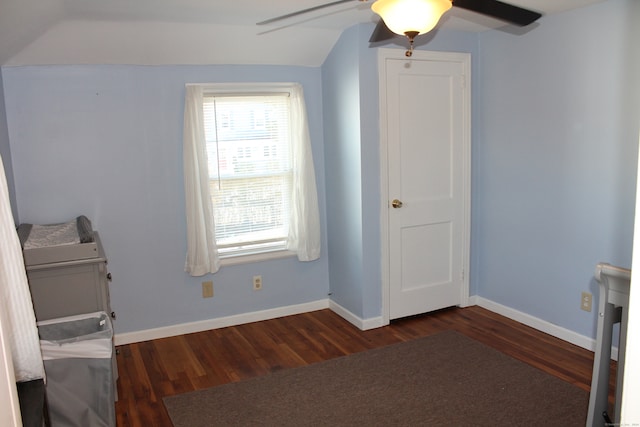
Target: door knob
[(396, 204)]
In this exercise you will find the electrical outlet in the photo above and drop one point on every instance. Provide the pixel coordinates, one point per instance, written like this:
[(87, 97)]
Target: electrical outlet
[(207, 289), (585, 301), (257, 283)]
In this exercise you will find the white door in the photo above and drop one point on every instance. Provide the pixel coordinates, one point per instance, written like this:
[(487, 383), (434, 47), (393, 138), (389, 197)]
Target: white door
[(425, 123)]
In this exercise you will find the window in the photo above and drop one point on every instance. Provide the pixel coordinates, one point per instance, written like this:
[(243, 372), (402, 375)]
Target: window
[(249, 175), (250, 189)]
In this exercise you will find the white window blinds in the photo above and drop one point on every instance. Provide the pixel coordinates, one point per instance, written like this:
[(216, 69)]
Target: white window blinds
[(250, 169)]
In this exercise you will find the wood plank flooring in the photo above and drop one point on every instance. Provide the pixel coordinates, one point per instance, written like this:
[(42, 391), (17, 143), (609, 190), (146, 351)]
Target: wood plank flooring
[(154, 369)]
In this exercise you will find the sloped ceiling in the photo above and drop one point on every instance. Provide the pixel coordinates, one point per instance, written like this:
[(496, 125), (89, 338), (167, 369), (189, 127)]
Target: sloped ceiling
[(153, 32)]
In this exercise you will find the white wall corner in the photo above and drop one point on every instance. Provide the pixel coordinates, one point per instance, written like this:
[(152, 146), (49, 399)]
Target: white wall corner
[(362, 324)]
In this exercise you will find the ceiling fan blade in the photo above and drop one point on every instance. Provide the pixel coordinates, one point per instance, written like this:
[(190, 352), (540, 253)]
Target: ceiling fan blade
[(381, 33), (497, 9), (303, 11)]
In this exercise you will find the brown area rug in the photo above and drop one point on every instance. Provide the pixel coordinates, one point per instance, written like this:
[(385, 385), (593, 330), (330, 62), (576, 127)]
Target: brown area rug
[(445, 379)]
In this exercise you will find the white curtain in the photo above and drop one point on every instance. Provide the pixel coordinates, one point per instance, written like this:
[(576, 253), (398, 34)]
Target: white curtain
[(15, 298), (304, 226), (202, 252)]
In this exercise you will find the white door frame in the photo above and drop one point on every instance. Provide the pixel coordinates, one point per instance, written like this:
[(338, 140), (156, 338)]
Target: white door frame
[(465, 60)]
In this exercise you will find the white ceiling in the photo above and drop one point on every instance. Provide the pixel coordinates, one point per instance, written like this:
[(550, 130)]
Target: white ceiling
[(150, 32)]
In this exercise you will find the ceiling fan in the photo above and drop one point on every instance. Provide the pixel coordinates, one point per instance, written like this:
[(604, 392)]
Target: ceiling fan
[(411, 18)]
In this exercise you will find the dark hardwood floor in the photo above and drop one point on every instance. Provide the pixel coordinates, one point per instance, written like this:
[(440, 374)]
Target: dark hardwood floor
[(152, 370)]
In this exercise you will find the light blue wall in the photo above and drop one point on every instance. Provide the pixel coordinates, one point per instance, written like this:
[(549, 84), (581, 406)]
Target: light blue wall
[(554, 148), (341, 96), (370, 159), (5, 151), (554, 153), (557, 134), (106, 142)]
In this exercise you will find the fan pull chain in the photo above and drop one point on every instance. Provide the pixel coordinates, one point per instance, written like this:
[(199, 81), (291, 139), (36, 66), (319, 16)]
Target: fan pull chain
[(411, 35), (409, 52)]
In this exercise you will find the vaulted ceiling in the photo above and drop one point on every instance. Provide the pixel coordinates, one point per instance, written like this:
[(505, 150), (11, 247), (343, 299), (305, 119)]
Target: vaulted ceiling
[(150, 32)]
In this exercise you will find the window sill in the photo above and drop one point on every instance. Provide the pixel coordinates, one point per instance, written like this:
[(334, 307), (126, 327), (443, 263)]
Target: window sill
[(255, 257)]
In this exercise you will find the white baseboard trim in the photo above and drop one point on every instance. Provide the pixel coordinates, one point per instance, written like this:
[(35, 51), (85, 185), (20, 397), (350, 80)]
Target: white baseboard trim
[(541, 325), (362, 324), (222, 322)]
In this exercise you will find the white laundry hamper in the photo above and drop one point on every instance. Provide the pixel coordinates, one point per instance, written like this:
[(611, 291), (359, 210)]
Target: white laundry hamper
[(77, 352)]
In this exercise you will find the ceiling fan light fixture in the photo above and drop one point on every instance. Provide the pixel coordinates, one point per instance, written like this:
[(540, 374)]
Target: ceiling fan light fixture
[(404, 16)]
